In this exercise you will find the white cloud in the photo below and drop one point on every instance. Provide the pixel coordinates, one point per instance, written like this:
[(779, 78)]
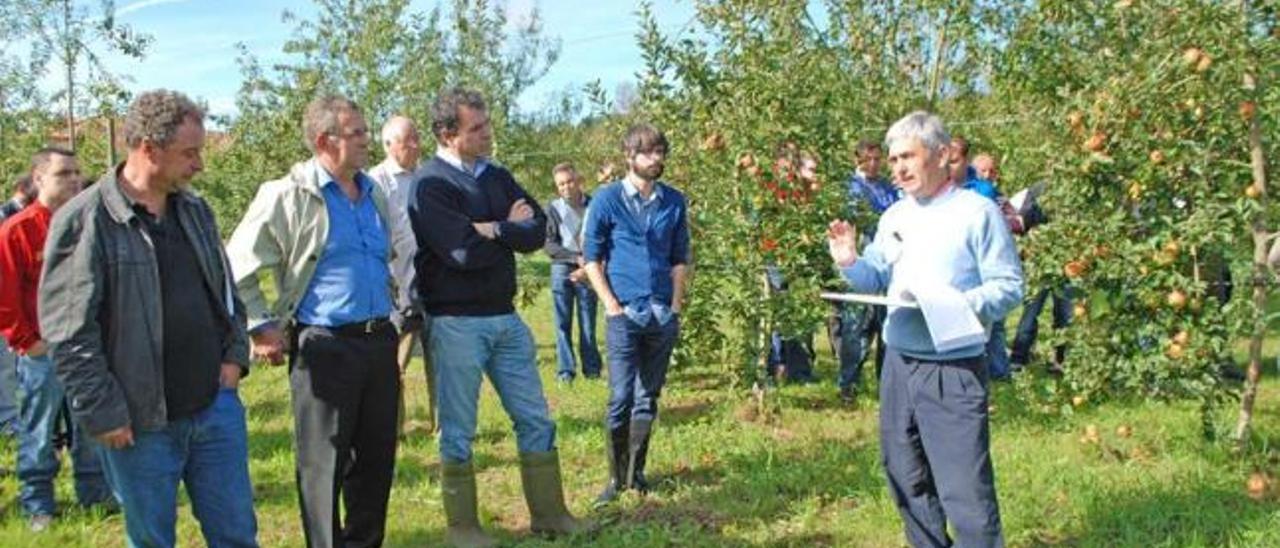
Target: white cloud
[(144, 4), (519, 13)]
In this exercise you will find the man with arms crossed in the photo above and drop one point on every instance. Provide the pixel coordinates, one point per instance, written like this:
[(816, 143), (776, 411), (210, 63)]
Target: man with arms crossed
[(470, 218), (636, 244), (934, 431), (147, 333)]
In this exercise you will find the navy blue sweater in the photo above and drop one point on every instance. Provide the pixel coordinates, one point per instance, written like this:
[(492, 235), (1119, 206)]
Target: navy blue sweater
[(460, 272)]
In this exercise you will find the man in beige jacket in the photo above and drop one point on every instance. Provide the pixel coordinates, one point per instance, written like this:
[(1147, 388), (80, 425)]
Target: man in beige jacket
[(323, 234)]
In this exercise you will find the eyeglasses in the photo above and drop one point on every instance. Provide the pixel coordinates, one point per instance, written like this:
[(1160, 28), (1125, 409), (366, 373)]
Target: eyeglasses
[(353, 134)]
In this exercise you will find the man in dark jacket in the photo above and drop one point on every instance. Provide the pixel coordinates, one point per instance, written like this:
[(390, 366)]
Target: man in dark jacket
[(569, 281), (470, 217), (147, 334)]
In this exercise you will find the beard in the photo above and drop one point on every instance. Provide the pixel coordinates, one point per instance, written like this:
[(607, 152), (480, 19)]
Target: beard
[(650, 173)]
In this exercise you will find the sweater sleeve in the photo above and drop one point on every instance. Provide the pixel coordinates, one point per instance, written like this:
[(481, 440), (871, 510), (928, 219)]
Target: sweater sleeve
[(525, 236), (440, 226), (870, 273), (998, 265)]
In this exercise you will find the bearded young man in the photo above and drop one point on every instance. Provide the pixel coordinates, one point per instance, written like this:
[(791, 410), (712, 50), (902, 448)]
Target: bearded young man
[(636, 246)]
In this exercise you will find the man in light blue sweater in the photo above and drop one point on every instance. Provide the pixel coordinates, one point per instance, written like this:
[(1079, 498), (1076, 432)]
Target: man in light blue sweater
[(934, 431)]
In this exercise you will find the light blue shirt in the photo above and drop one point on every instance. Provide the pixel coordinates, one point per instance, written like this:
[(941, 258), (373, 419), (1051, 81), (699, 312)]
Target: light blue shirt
[(352, 280), (957, 238)]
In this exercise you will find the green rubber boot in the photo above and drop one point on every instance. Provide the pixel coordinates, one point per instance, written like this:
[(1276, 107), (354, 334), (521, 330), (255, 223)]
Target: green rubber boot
[(540, 474), (458, 485)]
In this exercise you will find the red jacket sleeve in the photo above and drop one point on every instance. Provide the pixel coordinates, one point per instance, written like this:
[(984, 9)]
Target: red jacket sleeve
[(16, 264)]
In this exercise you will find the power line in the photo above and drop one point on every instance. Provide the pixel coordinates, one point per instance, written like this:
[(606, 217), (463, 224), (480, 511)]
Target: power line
[(994, 121)]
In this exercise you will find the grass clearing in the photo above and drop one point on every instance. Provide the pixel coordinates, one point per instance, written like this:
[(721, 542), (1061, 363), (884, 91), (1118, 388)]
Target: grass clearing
[(807, 476)]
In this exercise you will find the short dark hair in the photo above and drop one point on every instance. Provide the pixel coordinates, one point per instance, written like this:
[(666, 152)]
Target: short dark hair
[(643, 138), (865, 147), (155, 116), (444, 111), (41, 158), (961, 144)]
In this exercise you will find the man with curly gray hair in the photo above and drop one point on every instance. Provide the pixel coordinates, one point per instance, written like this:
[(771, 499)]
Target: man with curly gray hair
[(147, 334)]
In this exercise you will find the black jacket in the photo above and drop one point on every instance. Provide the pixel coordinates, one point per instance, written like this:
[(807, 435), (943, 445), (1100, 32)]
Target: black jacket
[(100, 310)]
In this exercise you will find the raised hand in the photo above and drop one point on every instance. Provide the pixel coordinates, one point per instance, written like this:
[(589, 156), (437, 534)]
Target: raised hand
[(842, 243)]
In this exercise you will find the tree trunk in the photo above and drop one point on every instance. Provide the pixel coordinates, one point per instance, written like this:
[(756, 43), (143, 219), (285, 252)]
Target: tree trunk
[(111, 141), (935, 80), (1260, 275), (69, 60)]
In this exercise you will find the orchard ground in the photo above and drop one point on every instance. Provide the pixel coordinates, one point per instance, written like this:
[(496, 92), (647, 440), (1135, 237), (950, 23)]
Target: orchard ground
[(1106, 474)]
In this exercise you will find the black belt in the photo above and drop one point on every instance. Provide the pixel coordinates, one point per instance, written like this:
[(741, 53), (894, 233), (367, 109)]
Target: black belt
[(362, 329)]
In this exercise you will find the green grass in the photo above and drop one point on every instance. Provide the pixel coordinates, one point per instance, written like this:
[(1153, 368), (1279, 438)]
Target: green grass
[(808, 476)]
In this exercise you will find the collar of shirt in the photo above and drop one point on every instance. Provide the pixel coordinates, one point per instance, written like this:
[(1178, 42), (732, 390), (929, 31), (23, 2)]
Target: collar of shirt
[(393, 168), (453, 160), (362, 182), (947, 190), (633, 193)]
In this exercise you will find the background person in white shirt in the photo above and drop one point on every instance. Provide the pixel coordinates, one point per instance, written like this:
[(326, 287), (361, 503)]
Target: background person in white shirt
[(396, 175)]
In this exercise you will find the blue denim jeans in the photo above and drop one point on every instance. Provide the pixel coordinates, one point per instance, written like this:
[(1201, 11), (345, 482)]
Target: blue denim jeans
[(854, 328), (464, 349), (1029, 324), (8, 390), (998, 351), (638, 360), (564, 292), (793, 354), (42, 407), (208, 452)]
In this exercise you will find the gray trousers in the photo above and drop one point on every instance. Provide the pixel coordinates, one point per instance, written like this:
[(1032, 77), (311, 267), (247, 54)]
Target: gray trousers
[(345, 389), (935, 442)]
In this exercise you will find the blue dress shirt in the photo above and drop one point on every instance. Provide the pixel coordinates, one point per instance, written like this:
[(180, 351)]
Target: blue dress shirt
[(352, 280)]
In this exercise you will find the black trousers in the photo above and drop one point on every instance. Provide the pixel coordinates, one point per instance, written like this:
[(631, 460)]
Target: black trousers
[(936, 444), (345, 393)]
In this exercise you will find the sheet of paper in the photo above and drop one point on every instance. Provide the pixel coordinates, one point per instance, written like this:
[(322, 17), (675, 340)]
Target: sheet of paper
[(1025, 198), (952, 323), (865, 298)]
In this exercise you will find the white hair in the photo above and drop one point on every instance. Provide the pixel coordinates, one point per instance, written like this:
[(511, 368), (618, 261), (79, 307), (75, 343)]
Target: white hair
[(921, 125), (394, 130)]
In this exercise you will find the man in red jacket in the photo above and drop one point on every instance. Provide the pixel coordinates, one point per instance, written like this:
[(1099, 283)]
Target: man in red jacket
[(57, 178)]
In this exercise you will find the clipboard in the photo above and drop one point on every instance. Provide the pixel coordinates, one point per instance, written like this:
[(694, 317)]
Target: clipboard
[(1025, 198), (865, 298)]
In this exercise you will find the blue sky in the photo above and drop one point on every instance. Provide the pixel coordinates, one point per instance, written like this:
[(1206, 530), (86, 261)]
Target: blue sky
[(194, 41)]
